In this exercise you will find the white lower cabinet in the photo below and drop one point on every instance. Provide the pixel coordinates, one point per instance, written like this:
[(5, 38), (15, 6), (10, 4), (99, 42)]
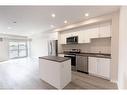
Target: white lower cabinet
[(92, 65), (61, 55), (99, 67)]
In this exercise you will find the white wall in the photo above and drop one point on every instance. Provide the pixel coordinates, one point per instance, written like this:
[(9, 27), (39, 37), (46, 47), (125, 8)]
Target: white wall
[(39, 45), (4, 45), (114, 47), (122, 72), (4, 50)]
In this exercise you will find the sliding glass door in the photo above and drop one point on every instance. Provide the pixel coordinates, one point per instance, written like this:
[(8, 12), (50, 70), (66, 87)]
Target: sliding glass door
[(17, 49)]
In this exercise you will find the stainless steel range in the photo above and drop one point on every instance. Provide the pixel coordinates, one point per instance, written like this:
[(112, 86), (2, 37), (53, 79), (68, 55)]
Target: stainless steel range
[(72, 54)]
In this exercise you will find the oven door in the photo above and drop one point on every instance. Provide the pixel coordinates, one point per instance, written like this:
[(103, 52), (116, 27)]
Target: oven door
[(73, 61)]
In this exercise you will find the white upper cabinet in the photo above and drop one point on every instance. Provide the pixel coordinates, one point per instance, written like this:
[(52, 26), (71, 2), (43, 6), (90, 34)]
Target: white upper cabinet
[(70, 34), (85, 35), (63, 38), (105, 30), (94, 31)]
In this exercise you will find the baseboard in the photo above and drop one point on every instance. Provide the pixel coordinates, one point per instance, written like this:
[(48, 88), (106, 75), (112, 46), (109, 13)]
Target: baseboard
[(115, 82)]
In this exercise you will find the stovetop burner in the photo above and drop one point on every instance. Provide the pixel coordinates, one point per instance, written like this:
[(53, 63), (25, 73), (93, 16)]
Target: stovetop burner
[(72, 51)]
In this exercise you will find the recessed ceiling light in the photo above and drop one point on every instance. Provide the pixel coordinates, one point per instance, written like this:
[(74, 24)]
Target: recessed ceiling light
[(9, 28), (86, 14), (53, 15), (65, 21), (52, 26)]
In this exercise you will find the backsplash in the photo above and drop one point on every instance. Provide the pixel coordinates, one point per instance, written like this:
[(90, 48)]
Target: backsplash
[(102, 45)]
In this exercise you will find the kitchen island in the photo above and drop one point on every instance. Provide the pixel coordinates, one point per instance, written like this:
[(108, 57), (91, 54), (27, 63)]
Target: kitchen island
[(55, 70)]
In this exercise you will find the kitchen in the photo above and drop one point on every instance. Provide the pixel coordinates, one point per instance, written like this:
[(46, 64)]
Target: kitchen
[(96, 45), (63, 47), (88, 47), (65, 55)]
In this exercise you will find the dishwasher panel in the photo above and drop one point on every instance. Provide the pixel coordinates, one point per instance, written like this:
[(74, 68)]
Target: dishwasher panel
[(82, 63)]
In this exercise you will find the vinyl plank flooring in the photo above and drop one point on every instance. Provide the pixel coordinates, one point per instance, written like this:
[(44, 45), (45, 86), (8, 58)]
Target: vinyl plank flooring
[(24, 74)]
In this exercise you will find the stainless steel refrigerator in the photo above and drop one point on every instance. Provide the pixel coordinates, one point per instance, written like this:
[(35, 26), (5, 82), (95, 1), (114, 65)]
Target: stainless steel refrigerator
[(53, 47)]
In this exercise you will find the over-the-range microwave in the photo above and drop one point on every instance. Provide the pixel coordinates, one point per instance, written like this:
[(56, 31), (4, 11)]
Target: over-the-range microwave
[(72, 40)]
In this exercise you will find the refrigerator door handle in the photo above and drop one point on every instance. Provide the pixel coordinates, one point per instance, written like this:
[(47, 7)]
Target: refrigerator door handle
[(51, 48)]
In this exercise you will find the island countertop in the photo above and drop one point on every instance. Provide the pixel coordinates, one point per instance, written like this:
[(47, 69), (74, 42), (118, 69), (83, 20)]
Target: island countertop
[(55, 58)]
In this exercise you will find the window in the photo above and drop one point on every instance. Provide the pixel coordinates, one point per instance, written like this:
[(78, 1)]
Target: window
[(17, 49)]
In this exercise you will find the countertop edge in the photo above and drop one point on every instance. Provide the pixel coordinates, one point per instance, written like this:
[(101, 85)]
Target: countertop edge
[(108, 56), (54, 59)]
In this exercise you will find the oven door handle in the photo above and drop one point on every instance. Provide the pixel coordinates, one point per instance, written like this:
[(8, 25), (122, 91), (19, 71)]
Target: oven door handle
[(69, 56)]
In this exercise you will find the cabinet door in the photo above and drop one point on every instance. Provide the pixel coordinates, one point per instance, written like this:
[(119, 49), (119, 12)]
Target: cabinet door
[(63, 39), (70, 34), (92, 65), (93, 32), (104, 67), (75, 33), (83, 37), (61, 55), (105, 30)]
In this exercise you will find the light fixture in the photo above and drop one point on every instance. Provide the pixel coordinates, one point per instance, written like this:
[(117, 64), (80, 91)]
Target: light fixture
[(86, 14), (65, 21), (52, 26), (9, 28), (53, 15)]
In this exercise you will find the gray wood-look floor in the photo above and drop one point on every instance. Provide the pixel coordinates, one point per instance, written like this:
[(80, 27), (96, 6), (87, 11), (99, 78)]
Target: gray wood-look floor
[(23, 74)]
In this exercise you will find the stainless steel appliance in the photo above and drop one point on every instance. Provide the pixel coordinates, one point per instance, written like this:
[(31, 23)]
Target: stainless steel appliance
[(72, 40), (82, 63), (72, 54), (53, 47), (73, 60)]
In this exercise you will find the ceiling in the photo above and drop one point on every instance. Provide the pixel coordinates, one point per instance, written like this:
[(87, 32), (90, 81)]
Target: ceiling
[(27, 20)]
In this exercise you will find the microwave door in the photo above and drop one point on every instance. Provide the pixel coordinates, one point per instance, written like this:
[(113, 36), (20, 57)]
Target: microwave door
[(72, 40)]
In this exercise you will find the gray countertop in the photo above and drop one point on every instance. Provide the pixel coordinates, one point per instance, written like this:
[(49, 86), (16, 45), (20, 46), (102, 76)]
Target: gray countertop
[(55, 58), (99, 55), (96, 55)]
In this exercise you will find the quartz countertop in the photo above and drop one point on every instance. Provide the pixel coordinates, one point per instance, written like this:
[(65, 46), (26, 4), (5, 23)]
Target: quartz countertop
[(95, 55), (55, 58), (100, 55)]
